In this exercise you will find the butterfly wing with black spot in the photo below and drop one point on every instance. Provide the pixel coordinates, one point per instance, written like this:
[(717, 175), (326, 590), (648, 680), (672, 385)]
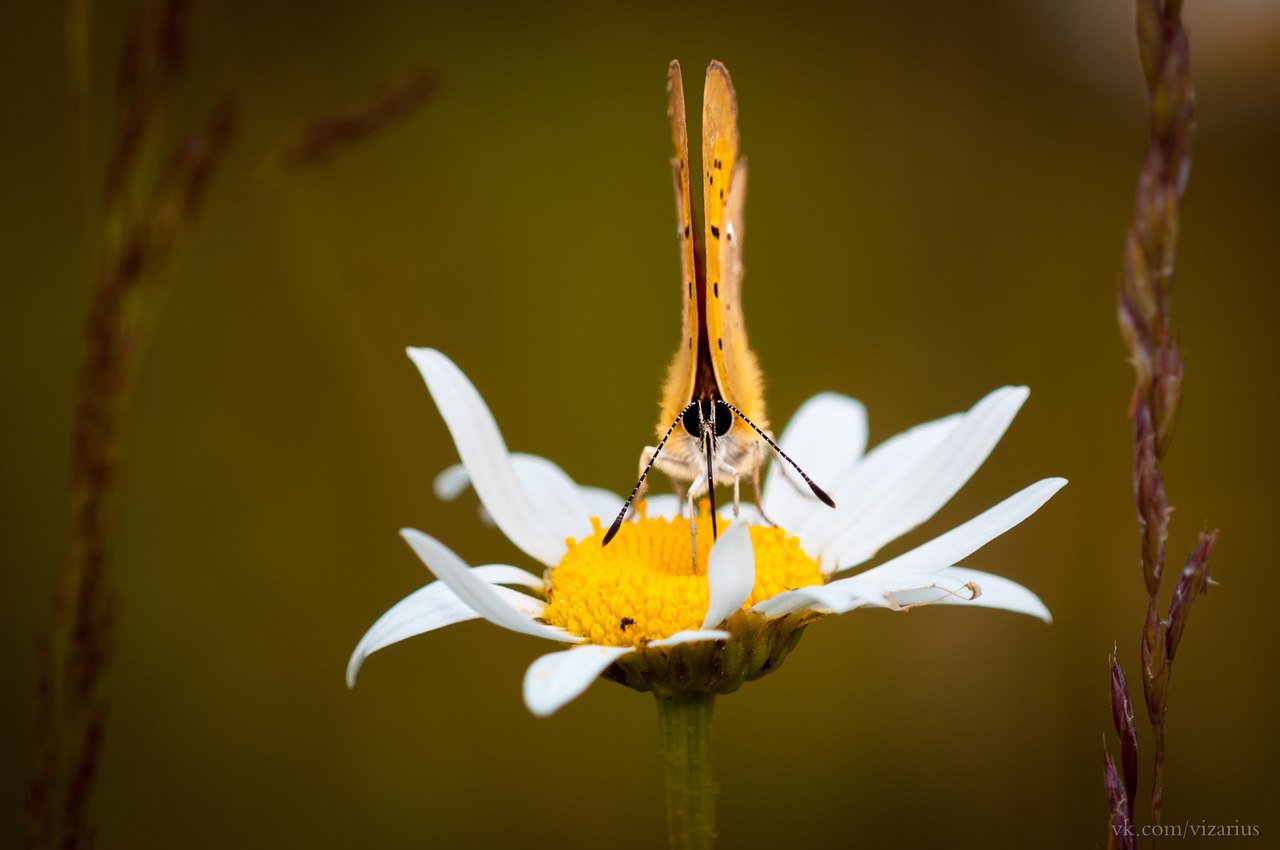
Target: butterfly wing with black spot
[(678, 389), (724, 186)]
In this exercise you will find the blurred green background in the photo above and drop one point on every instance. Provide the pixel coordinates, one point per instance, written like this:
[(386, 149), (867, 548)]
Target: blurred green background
[(938, 198)]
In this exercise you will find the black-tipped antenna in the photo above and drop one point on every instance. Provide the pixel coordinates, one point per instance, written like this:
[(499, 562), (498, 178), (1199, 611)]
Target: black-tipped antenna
[(622, 514), (817, 491)]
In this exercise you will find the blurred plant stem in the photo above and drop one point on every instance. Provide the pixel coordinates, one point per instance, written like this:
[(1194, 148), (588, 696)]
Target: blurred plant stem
[(151, 197), (1144, 302), (329, 135), (686, 753), (149, 201)]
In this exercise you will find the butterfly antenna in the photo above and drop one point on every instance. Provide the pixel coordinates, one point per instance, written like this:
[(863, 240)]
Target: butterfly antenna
[(622, 514), (817, 491), (709, 440)]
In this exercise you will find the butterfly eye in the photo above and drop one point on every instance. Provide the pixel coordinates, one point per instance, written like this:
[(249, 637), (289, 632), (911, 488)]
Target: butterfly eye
[(692, 421), (724, 419)]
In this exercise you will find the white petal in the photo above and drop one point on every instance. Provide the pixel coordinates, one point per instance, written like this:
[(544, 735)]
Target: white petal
[(511, 610), (912, 590), (997, 592), (948, 586), (559, 677), (554, 495), (867, 483), (962, 586), (831, 598), (969, 537), (691, 636), (731, 574), (783, 603), (826, 437), (429, 608), (451, 483), (601, 503), (482, 450), (898, 593), (857, 594), (918, 495), (935, 557), (560, 501), (891, 461)]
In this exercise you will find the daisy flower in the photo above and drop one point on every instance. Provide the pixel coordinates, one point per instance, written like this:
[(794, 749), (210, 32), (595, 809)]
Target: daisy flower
[(644, 612)]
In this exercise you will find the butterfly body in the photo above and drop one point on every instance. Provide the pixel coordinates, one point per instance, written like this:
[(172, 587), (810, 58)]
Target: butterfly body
[(712, 426), (713, 362)]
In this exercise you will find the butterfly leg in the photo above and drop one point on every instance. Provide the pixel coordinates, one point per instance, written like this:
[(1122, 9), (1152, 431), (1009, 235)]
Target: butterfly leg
[(730, 472), (755, 485), (693, 524), (681, 495)]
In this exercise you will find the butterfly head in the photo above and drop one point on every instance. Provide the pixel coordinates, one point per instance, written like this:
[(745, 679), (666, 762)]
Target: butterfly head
[(707, 416)]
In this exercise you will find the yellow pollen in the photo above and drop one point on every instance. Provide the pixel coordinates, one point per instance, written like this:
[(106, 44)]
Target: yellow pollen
[(645, 584)]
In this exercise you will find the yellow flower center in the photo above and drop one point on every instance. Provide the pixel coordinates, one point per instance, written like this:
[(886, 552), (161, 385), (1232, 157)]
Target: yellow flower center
[(645, 585)]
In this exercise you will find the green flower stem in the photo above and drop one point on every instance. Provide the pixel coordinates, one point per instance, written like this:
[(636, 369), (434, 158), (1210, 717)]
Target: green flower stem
[(686, 754)]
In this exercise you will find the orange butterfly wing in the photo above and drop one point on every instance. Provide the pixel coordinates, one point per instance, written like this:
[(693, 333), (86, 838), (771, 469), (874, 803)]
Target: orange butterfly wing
[(678, 389), (724, 186)]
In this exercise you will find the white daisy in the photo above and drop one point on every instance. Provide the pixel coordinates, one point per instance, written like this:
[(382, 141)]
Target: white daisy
[(644, 613)]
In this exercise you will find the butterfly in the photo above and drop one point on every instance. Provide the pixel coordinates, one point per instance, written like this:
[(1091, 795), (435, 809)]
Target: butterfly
[(713, 415)]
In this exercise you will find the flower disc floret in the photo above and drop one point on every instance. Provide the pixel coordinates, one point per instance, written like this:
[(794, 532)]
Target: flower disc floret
[(646, 585)]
